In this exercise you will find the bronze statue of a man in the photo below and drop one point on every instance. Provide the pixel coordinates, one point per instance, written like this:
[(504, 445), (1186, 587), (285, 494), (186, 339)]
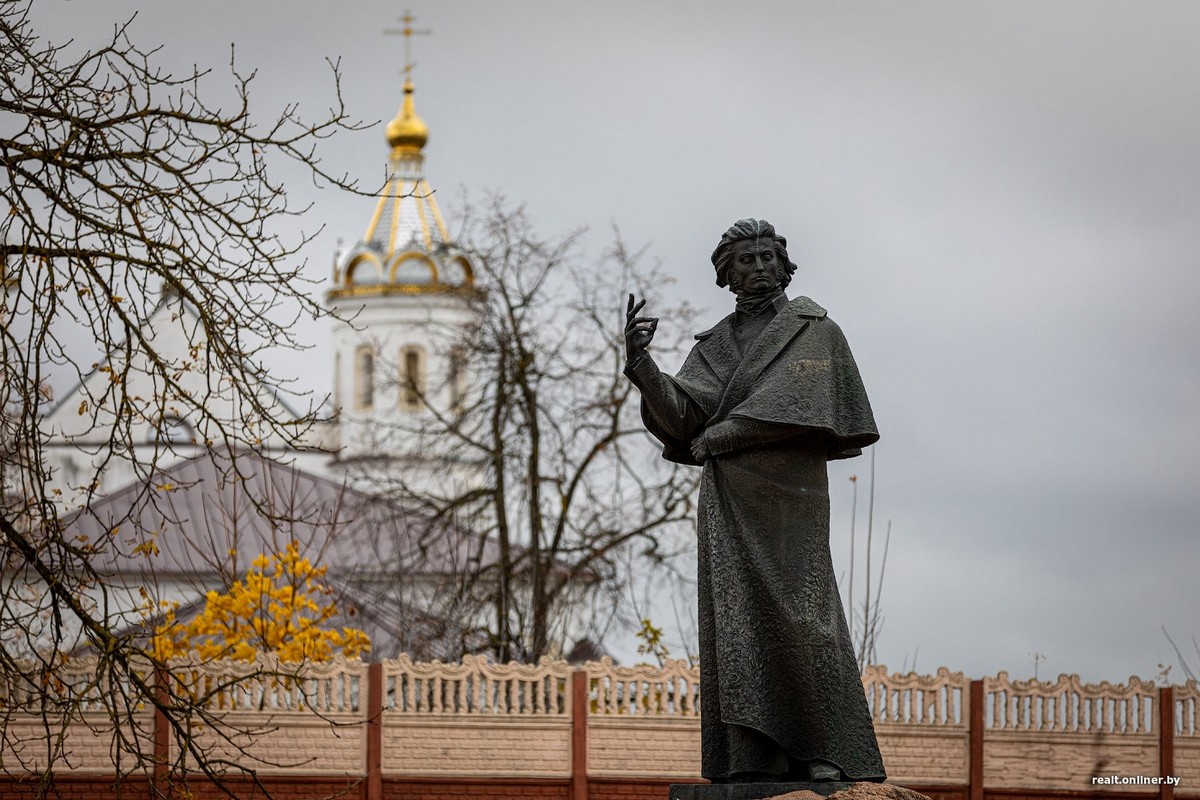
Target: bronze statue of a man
[(764, 400)]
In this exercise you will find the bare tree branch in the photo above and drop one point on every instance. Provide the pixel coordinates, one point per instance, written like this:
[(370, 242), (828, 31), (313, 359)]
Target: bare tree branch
[(568, 483)]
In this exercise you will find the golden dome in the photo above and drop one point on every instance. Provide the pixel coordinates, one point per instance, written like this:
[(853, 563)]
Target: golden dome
[(407, 132)]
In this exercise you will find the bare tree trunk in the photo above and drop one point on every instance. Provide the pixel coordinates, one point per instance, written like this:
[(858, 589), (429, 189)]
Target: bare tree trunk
[(504, 639)]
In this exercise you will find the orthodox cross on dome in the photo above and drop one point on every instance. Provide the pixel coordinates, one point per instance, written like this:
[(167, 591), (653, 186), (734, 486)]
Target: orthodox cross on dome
[(407, 32), (407, 225), (407, 133)]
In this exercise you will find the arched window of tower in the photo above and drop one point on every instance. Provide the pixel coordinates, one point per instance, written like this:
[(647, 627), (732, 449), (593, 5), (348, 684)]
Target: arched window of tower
[(364, 378), (414, 269), (457, 272), (364, 271), (412, 378)]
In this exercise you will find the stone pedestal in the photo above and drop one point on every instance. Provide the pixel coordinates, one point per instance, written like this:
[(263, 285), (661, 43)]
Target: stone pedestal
[(792, 791)]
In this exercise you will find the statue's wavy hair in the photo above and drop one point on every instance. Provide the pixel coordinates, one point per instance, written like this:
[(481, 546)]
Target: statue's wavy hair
[(745, 230)]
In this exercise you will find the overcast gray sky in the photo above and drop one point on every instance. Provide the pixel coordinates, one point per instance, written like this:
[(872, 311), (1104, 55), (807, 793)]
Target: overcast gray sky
[(999, 203)]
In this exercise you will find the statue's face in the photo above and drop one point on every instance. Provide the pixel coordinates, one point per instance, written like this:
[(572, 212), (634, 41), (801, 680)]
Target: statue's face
[(754, 266)]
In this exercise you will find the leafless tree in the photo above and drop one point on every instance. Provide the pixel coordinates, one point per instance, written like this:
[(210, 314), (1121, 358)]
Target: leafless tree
[(864, 616), (1184, 665), (121, 182), (563, 480)]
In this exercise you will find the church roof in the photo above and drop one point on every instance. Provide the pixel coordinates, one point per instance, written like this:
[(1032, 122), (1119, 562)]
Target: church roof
[(211, 515)]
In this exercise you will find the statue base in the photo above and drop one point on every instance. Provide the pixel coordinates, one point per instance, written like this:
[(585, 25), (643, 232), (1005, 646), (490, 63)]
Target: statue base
[(793, 791)]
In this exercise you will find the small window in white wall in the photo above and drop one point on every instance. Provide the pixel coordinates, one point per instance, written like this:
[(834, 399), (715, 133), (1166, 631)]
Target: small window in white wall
[(412, 378), (337, 382), (70, 471), (364, 378), (457, 378)]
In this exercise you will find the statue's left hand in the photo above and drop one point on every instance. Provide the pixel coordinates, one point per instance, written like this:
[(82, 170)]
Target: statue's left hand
[(700, 450), (639, 331)]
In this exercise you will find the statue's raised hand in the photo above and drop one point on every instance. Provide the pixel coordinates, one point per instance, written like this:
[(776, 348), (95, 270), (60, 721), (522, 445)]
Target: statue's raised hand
[(639, 331)]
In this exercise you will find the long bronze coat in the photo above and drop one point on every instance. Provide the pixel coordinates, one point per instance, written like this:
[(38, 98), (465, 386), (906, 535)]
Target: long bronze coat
[(780, 683)]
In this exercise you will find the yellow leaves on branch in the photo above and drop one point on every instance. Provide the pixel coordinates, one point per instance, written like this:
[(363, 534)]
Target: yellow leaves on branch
[(148, 548), (652, 643), (282, 606)]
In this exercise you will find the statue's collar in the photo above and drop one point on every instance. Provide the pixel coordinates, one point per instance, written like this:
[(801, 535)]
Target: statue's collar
[(806, 307), (801, 307), (752, 305)]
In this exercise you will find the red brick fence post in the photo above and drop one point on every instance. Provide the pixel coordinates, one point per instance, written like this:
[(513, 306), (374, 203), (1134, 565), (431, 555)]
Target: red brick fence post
[(374, 753), (975, 746), (579, 721), (1166, 740)]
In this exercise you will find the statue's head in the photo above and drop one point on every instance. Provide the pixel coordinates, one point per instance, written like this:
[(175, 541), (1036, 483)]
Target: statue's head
[(751, 230)]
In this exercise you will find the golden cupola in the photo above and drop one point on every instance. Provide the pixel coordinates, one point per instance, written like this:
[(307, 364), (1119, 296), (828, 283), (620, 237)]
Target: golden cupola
[(407, 248), (407, 133)]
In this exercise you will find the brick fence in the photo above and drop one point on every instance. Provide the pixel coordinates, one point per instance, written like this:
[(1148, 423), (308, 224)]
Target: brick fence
[(400, 729)]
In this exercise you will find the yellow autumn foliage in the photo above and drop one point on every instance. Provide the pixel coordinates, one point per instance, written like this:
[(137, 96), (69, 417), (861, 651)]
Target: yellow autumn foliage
[(280, 607)]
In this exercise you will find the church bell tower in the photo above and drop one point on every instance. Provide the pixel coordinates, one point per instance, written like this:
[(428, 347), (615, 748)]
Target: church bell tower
[(404, 296)]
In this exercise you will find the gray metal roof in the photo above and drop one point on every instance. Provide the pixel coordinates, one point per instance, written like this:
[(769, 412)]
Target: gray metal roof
[(211, 515)]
